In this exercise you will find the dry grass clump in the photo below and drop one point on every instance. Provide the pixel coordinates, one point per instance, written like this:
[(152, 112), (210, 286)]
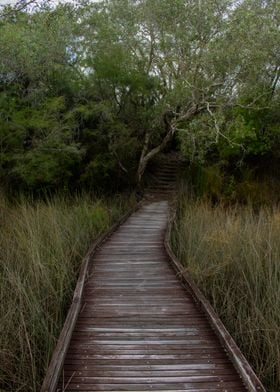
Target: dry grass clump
[(234, 256), (41, 247)]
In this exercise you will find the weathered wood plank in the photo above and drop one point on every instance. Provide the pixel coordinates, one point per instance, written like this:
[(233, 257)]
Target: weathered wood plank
[(197, 387)]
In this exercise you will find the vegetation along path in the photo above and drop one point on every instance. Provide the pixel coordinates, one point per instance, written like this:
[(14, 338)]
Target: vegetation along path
[(139, 327)]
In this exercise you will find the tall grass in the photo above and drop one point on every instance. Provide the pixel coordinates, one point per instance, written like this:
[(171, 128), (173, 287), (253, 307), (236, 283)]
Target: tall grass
[(234, 256), (41, 248)]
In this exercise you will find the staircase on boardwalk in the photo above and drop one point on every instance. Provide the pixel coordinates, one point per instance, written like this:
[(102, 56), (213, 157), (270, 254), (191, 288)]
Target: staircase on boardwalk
[(163, 176)]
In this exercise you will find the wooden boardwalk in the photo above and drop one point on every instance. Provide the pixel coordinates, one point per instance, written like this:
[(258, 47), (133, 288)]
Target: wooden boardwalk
[(139, 327)]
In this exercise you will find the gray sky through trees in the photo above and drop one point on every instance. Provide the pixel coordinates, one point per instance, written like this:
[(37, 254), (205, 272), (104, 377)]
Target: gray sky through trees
[(13, 2)]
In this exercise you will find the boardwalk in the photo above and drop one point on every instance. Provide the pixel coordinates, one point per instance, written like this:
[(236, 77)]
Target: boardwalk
[(139, 328)]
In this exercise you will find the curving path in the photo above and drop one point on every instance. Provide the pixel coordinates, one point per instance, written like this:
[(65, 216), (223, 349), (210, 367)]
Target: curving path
[(139, 328)]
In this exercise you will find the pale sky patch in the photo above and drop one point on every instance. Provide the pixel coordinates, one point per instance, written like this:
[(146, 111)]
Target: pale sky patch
[(13, 2)]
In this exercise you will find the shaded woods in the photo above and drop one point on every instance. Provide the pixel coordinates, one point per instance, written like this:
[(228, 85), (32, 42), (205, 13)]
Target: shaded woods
[(90, 93)]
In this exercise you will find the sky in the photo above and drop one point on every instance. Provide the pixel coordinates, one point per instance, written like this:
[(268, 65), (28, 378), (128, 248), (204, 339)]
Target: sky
[(2, 2), (12, 2)]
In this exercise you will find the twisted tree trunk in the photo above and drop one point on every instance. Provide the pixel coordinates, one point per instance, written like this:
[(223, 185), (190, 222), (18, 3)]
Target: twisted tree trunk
[(146, 155), (170, 128)]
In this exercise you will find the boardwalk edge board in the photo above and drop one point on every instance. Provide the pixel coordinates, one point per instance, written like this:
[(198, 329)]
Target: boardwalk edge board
[(54, 369), (250, 379)]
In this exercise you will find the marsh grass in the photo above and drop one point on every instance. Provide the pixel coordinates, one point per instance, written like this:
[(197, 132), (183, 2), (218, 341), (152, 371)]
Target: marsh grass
[(41, 248), (234, 256)]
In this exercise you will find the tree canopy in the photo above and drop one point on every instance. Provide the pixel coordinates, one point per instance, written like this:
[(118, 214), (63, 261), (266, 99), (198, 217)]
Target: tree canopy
[(90, 93)]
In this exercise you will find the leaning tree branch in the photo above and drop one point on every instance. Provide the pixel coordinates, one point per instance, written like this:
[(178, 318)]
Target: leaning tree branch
[(170, 120)]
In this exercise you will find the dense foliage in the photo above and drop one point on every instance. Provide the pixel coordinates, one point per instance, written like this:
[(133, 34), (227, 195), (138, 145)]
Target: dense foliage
[(90, 93)]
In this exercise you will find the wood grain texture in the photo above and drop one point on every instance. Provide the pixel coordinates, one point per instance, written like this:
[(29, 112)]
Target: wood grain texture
[(139, 327)]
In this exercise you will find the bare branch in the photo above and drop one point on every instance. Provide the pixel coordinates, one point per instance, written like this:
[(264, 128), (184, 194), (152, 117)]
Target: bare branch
[(218, 130), (120, 163)]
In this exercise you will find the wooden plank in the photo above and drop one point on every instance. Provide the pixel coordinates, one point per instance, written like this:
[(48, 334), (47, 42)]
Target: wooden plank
[(154, 380), (149, 373), (105, 351), (147, 352), (140, 360), (166, 358), (156, 368), (233, 386), (141, 335)]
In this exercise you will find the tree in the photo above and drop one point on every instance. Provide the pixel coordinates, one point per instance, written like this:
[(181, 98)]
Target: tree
[(37, 80), (207, 60), (133, 74)]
